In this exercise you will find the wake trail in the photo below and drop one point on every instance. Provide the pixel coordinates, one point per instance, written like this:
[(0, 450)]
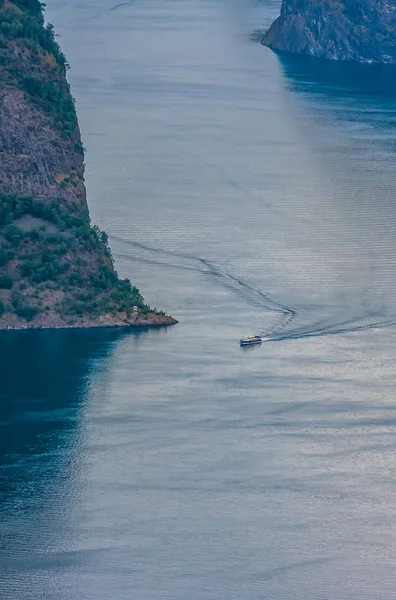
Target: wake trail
[(228, 280), (186, 261), (348, 324), (122, 4), (335, 330)]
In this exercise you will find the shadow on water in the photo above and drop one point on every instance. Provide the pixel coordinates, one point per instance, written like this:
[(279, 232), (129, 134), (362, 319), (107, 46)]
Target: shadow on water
[(49, 380), (339, 78), (44, 379), (345, 114)]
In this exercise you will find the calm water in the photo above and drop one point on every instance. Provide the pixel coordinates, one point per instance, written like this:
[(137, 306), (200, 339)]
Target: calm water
[(242, 192)]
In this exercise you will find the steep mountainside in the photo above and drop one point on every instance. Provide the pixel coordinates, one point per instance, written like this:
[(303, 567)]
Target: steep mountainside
[(351, 30), (56, 269)]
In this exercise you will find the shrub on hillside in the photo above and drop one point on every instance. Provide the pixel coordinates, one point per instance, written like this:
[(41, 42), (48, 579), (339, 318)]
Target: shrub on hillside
[(26, 311), (5, 282)]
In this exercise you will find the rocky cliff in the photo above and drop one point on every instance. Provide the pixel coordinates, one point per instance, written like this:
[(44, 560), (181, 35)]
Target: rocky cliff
[(349, 30), (56, 269)]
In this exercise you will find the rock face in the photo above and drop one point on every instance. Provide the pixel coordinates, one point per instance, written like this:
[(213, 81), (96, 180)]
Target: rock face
[(348, 30), (56, 269)]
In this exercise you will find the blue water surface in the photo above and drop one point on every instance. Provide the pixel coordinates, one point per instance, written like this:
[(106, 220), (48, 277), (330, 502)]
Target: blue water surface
[(242, 192)]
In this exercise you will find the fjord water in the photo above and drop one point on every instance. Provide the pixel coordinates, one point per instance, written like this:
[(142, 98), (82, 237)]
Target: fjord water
[(242, 192)]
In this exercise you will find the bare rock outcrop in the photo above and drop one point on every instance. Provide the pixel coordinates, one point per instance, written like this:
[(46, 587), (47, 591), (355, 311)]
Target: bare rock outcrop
[(347, 30)]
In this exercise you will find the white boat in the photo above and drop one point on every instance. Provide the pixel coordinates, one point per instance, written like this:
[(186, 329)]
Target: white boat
[(249, 340)]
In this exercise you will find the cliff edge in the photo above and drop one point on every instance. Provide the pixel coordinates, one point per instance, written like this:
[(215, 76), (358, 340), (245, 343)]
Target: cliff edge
[(348, 30), (56, 269)]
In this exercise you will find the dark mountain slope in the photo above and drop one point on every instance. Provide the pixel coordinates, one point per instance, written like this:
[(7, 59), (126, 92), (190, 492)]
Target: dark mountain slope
[(56, 269)]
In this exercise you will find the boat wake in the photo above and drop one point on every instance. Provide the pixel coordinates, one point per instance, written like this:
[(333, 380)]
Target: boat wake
[(335, 329), (282, 328), (230, 281)]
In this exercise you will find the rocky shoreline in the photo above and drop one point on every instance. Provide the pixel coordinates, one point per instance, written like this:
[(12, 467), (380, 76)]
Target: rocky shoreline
[(337, 30), (12, 323)]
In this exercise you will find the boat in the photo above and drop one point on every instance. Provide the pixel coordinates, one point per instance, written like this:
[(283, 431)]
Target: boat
[(249, 340)]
